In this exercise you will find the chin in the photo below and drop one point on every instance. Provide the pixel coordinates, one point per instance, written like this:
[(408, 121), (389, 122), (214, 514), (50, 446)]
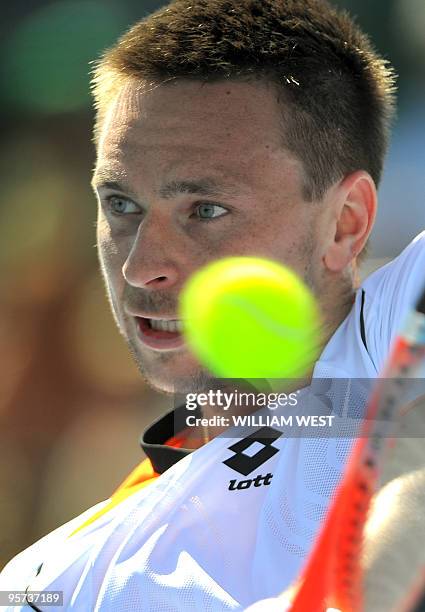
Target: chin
[(171, 372), (181, 384)]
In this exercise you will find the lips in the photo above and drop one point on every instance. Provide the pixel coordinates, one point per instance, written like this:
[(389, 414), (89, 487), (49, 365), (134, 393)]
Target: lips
[(160, 334)]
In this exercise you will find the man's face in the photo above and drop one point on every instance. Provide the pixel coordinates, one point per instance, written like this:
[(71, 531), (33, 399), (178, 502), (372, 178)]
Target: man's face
[(188, 173)]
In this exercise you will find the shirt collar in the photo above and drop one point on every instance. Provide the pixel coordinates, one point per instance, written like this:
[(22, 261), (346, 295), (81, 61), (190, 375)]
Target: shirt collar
[(154, 439)]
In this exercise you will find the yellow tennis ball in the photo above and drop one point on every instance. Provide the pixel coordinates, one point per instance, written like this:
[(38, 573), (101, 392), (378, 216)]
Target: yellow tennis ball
[(246, 317)]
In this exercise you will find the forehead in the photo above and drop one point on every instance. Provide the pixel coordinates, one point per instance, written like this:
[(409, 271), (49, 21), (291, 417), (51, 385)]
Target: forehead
[(226, 123)]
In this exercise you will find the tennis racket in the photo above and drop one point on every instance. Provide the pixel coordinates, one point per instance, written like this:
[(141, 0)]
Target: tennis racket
[(333, 575)]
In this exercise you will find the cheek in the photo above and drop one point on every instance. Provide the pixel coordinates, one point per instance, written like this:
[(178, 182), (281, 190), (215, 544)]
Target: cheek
[(111, 258), (288, 235)]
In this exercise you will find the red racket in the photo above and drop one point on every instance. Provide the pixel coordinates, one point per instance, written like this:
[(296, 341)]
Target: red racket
[(332, 577)]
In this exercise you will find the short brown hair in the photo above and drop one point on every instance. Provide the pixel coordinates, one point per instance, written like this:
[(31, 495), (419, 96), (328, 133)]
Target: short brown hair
[(337, 93)]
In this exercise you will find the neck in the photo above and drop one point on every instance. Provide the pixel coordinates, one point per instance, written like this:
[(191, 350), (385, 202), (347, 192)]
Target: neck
[(335, 304)]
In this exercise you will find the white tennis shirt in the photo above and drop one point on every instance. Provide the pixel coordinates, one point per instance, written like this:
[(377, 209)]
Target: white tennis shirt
[(188, 542)]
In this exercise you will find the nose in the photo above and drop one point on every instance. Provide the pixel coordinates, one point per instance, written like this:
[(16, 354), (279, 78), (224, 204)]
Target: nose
[(149, 264)]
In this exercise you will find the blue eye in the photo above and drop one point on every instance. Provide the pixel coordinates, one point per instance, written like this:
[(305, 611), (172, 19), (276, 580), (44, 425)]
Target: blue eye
[(121, 206), (210, 211)]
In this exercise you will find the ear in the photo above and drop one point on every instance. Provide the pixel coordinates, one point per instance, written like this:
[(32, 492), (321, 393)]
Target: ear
[(353, 217)]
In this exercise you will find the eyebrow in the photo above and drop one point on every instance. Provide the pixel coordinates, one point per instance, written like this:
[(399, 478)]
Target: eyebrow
[(113, 185), (103, 178), (207, 186)]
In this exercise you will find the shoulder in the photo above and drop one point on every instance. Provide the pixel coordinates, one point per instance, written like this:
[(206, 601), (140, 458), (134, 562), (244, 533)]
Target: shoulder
[(389, 294), (400, 268), (23, 567), (402, 278)]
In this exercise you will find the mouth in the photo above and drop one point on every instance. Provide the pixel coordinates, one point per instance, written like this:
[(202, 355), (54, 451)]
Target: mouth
[(160, 334)]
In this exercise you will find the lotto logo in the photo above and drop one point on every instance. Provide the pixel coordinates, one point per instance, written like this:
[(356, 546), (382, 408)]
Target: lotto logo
[(258, 481), (242, 461)]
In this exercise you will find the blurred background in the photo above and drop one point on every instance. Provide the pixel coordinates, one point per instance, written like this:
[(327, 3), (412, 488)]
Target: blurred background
[(72, 405)]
